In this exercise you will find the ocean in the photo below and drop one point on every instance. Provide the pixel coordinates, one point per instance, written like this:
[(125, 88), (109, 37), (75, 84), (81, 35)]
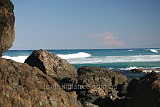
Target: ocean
[(122, 59)]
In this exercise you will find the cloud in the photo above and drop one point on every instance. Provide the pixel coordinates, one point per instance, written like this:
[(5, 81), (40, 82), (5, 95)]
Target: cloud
[(110, 37), (107, 38), (102, 34)]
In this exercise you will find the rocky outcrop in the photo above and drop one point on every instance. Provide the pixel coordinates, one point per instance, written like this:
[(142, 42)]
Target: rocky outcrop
[(24, 86), (27, 85), (51, 64), (105, 88), (7, 20), (131, 87), (143, 70), (140, 70), (147, 92), (98, 83)]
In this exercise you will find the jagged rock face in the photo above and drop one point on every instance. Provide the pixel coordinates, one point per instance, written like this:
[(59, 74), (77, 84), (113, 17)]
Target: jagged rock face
[(24, 86), (100, 73), (51, 64), (7, 20), (99, 82), (147, 92)]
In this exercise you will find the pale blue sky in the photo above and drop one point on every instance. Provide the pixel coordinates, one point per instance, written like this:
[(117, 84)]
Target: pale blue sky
[(81, 24)]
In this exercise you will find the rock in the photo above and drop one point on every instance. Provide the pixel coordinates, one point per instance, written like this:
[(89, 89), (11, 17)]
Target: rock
[(121, 102), (51, 64), (97, 73), (24, 86), (68, 84), (87, 104), (138, 70), (147, 92), (98, 83), (122, 88), (142, 70), (104, 102), (7, 20), (132, 85)]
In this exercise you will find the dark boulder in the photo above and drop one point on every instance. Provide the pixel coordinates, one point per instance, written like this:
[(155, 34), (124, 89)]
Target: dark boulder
[(122, 88), (24, 86), (7, 21), (104, 102), (147, 92), (143, 71), (132, 85), (121, 102), (98, 83), (51, 64), (137, 70), (96, 73)]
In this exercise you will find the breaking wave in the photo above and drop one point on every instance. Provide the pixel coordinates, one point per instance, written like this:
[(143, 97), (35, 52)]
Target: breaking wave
[(86, 58), (130, 50), (64, 56), (75, 55), (115, 59), (153, 50)]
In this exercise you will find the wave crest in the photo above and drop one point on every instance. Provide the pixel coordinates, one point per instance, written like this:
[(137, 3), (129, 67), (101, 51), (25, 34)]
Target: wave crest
[(64, 56), (75, 55), (130, 50), (85, 58), (153, 50), (116, 59)]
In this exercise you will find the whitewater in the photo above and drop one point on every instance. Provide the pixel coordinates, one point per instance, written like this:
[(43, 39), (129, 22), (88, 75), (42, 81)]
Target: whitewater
[(86, 58), (108, 58)]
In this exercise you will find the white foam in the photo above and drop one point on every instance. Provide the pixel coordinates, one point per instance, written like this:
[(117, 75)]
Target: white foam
[(75, 55), (116, 59), (130, 50), (149, 71), (64, 56), (84, 58), (153, 50), (129, 68), (17, 58), (145, 70)]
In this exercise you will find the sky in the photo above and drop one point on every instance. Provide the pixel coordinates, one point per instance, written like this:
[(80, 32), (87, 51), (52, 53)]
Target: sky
[(86, 24)]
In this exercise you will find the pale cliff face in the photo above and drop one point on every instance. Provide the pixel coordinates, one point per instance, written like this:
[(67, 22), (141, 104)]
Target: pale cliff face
[(7, 19)]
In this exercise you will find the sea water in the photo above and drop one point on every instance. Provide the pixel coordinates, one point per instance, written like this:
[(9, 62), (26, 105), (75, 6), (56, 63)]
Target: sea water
[(124, 59)]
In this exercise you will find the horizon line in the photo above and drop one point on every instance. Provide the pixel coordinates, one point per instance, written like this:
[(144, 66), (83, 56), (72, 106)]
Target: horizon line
[(84, 49)]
